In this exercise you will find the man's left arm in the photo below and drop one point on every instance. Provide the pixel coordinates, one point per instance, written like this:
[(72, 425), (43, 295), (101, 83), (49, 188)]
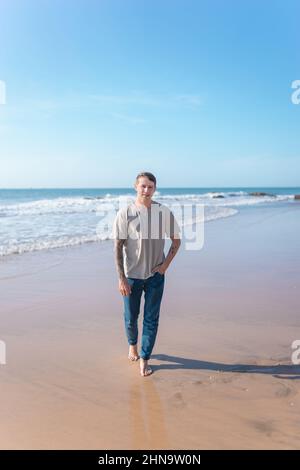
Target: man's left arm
[(176, 242)]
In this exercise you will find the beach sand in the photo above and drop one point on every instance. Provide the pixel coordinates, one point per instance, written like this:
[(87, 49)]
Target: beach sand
[(223, 376)]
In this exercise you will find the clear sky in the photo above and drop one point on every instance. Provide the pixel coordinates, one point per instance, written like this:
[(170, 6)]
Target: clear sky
[(198, 92)]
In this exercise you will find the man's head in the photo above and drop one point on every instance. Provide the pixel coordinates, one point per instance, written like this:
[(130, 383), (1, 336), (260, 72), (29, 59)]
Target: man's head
[(145, 185)]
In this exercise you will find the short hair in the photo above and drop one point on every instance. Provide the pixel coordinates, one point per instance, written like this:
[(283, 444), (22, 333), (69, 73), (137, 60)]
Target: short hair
[(148, 175)]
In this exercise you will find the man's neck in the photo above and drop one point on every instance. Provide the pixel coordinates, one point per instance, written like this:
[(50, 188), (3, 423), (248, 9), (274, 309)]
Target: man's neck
[(142, 203)]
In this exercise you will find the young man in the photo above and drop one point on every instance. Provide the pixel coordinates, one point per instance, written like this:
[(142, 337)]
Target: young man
[(139, 232)]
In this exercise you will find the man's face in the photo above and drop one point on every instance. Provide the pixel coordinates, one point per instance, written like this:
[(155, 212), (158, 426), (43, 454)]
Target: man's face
[(145, 188)]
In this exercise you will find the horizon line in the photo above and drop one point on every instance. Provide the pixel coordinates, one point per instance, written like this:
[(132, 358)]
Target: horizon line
[(132, 188)]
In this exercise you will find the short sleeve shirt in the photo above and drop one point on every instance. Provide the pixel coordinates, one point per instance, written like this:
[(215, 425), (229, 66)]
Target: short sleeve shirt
[(144, 231)]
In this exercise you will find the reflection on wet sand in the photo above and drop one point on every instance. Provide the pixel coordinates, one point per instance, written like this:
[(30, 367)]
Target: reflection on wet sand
[(147, 416)]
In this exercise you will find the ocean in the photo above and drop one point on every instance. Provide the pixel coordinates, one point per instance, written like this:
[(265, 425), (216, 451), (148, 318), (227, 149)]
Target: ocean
[(43, 219)]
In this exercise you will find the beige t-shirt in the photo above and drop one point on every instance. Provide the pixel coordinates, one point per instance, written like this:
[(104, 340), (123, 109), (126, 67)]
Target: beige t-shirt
[(144, 230)]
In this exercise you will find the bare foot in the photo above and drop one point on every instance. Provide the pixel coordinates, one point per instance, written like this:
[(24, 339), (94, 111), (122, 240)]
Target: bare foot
[(145, 369), (133, 354)]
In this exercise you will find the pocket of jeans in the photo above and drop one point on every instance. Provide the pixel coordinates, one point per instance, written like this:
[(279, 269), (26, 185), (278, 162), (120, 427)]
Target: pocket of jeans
[(157, 272)]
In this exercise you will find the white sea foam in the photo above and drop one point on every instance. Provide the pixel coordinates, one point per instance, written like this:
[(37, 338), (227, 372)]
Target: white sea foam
[(22, 247), (87, 204), (68, 221)]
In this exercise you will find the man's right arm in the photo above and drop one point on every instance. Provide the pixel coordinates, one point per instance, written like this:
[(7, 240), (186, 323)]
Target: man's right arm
[(124, 286)]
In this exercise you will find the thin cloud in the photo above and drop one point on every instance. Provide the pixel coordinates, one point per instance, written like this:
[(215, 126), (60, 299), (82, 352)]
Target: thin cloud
[(134, 98), (143, 99), (192, 100), (116, 105), (127, 118)]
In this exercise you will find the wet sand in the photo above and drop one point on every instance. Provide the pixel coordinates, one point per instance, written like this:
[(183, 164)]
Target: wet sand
[(223, 376)]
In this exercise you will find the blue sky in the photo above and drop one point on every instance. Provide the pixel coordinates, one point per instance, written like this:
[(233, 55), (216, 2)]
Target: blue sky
[(198, 92)]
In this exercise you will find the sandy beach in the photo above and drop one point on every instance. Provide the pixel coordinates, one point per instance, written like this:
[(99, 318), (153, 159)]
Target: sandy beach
[(223, 376)]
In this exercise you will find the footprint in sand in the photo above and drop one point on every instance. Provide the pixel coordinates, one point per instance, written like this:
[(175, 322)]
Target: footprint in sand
[(228, 379), (177, 400), (283, 391), (265, 427), (197, 382)]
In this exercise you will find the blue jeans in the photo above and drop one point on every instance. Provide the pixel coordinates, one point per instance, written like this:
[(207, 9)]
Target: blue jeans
[(153, 288)]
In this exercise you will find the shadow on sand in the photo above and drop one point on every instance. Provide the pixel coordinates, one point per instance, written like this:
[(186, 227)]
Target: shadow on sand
[(281, 370)]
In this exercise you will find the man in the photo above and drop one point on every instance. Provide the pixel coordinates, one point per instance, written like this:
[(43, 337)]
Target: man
[(139, 232)]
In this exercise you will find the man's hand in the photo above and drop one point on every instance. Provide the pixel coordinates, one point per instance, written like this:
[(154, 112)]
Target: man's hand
[(161, 268), (124, 287)]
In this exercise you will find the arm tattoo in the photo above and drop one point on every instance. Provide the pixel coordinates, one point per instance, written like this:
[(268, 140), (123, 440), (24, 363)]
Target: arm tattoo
[(119, 258), (173, 249)]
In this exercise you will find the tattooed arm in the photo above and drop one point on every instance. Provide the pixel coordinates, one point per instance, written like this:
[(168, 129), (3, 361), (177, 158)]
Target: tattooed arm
[(176, 242), (124, 286), (119, 258)]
